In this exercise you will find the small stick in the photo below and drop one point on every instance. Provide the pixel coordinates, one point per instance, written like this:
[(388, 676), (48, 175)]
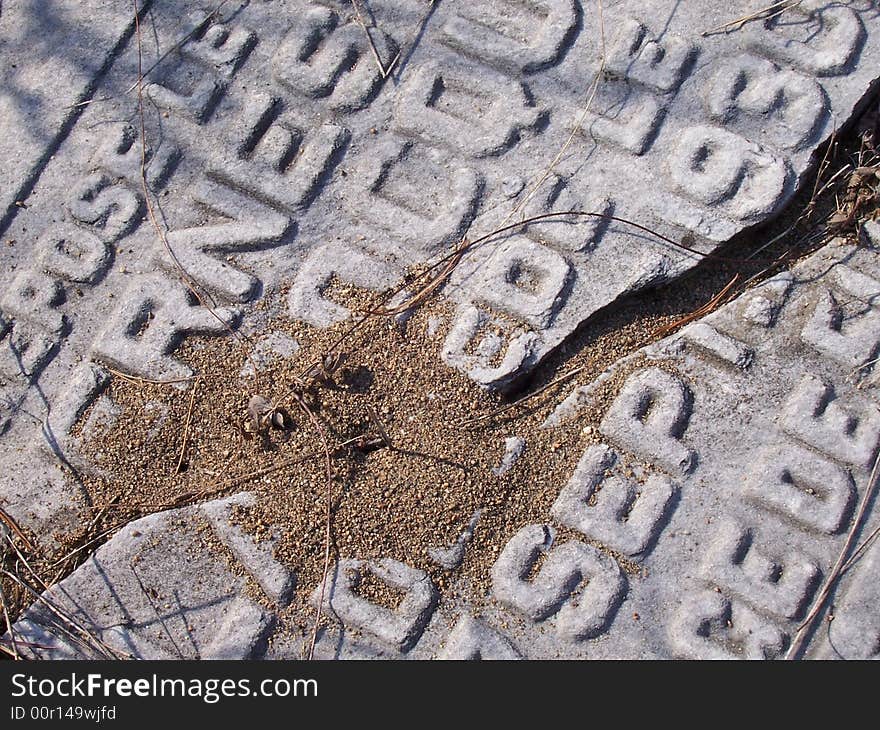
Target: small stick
[(709, 306), (192, 398), (6, 518), (360, 20), (779, 7), (837, 571), (15, 654)]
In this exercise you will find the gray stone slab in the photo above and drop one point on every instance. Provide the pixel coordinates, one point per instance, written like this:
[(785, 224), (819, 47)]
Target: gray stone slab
[(156, 591), (53, 53), (729, 467), (277, 153)]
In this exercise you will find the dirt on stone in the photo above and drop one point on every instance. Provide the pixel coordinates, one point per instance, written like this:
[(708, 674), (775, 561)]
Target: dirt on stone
[(411, 464), (399, 498)]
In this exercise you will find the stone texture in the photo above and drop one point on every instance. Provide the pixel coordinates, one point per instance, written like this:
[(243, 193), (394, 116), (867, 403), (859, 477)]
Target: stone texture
[(732, 551), (280, 153)]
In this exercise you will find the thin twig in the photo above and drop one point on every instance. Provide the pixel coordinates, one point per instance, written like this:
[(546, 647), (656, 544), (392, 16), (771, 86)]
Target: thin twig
[(860, 549), (426, 291), (191, 497), (450, 260), (826, 160), (7, 519), (85, 638), (764, 14), (591, 95), (328, 473), (82, 547), (708, 307), (836, 572), (63, 616), (186, 279), (375, 51), (155, 64), (189, 410)]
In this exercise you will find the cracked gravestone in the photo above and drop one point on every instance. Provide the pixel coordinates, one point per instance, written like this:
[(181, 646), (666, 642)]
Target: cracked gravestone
[(728, 471), (283, 150)]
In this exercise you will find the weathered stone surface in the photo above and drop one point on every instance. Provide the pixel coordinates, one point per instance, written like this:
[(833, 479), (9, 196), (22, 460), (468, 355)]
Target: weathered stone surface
[(732, 550), (278, 152), (53, 53), (156, 591)]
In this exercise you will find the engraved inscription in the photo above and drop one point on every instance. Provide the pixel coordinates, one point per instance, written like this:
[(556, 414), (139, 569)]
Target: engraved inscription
[(429, 106), (473, 639), (526, 36), (816, 36), (813, 415), (649, 418), (767, 584), (786, 106), (711, 626), (613, 509), (150, 322), (717, 168), (278, 157), (322, 59), (580, 612), (401, 627), (800, 484)]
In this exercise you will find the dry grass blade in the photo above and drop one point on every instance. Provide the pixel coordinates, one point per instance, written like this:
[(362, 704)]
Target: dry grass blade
[(68, 625), (864, 545), (176, 46), (428, 289), (564, 378), (14, 653), (838, 569), (375, 51), (708, 307), (328, 474), (189, 410), (380, 427), (79, 636), (771, 11), (7, 520), (591, 95), (135, 380)]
